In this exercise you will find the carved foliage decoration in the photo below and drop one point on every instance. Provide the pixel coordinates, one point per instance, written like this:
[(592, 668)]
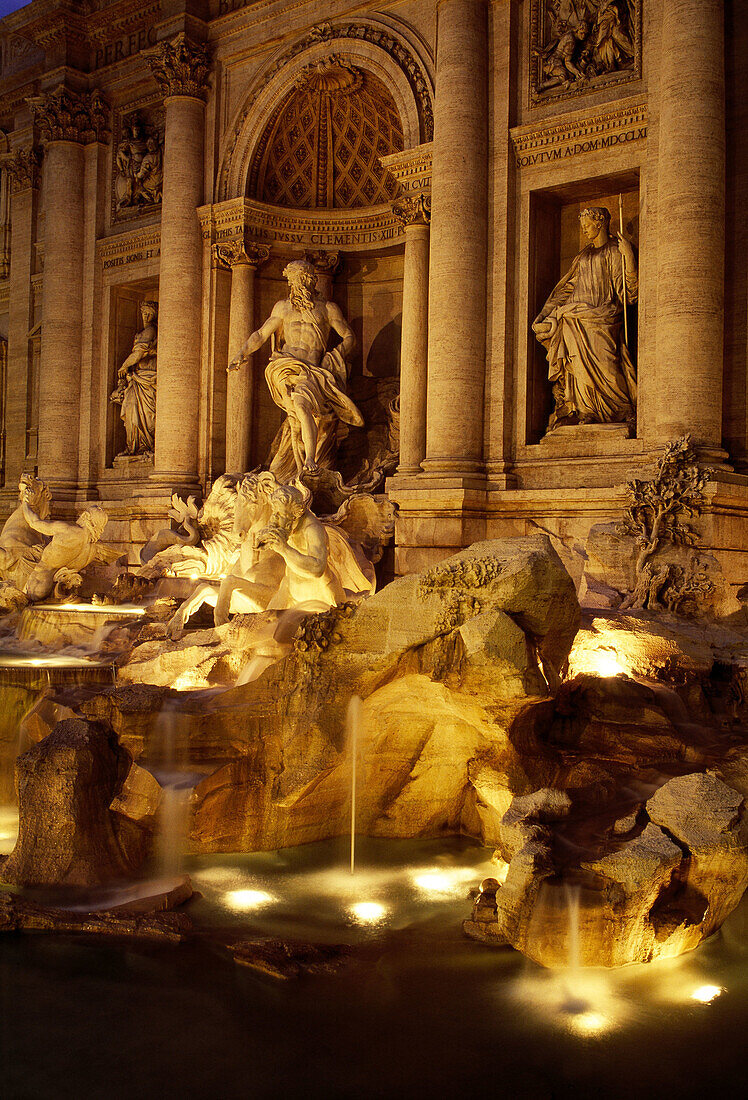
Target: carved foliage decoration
[(138, 163), (64, 115), (323, 146), (230, 253), (413, 209), (582, 45), (658, 514), (23, 168), (180, 67)]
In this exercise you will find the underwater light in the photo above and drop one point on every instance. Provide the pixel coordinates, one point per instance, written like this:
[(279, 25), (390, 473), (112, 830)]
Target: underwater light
[(248, 899), (589, 1023), (440, 881), (705, 994), (368, 912)]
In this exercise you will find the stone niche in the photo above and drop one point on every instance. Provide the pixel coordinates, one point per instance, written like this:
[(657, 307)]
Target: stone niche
[(124, 322), (555, 239), (368, 287)]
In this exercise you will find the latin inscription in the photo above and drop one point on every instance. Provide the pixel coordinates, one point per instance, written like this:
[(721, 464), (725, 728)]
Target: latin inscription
[(131, 258), (591, 145), (124, 47), (353, 237)]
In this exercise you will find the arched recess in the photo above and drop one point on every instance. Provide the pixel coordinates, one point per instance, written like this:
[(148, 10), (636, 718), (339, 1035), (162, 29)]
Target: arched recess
[(376, 49)]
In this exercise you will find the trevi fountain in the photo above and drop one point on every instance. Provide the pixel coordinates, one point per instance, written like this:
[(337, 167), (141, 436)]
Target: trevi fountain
[(373, 599)]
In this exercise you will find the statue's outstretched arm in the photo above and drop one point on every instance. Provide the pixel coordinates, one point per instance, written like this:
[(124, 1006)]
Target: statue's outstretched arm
[(257, 339)]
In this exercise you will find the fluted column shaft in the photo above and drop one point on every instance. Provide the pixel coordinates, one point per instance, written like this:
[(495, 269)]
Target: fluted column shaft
[(691, 223), (457, 295), (180, 292), (414, 339), (240, 382), (62, 313)]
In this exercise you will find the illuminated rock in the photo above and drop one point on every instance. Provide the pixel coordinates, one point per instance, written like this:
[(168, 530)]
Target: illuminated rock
[(69, 832), (656, 892)]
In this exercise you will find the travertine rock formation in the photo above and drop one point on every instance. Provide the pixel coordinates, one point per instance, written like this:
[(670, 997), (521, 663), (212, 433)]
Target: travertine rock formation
[(663, 878), (443, 662), (85, 813)]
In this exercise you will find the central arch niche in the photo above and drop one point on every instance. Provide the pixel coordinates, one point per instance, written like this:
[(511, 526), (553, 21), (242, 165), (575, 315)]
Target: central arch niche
[(321, 148)]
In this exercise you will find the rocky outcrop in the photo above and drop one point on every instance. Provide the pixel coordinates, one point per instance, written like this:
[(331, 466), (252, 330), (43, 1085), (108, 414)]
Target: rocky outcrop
[(655, 887), (85, 815), (443, 662)]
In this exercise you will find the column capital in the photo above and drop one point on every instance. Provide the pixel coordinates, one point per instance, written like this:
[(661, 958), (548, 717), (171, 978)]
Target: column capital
[(233, 253), (24, 169), (324, 263), (180, 67), (65, 115), (413, 209)]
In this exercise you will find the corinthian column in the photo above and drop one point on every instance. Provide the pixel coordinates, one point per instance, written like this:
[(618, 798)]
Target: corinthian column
[(459, 197), (691, 223), (181, 70), (67, 121), (23, 170), (414, 212), (244, 260)]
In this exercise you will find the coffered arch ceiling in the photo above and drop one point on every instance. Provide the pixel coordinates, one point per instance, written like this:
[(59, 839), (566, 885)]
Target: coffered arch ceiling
[(322, 146), (392, 82)]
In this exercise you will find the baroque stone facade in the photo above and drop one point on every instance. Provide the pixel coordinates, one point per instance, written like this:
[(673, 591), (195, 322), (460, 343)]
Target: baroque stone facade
[(520, 208)]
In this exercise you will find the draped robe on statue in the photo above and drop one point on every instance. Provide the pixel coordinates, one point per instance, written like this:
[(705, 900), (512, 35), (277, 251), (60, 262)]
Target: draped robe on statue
[(139, 398), (589, 365), (323, 386)]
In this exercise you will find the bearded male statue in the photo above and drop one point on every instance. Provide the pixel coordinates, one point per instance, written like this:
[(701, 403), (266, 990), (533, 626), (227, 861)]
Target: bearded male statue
[(305, 379)]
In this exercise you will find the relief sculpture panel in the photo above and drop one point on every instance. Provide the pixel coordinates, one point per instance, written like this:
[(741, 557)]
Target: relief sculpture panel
[(138, 163), (582, 45)]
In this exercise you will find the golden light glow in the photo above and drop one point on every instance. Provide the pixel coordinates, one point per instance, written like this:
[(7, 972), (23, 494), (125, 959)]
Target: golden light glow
[(596, 654), (248, 899), (501, 869), (111, 610), (589, 1023), (444, 881), (368, 912), (705, 994), (189, 680)]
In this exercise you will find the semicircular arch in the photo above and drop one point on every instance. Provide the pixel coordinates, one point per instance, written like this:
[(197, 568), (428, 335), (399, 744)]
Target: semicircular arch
[(363, 46)]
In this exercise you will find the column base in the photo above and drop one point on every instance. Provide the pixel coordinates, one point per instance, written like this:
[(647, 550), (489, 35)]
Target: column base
[(437, 516)]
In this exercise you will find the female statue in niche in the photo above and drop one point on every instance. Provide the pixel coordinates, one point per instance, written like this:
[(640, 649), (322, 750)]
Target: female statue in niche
[(136, 386), (581, 328)]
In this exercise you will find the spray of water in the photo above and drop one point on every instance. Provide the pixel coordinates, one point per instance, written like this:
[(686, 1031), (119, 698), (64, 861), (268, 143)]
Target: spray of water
[(353, 729)]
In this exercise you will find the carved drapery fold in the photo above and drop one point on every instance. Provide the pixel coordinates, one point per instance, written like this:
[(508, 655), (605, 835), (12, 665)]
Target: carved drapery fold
[(180, 67), (65, 115)]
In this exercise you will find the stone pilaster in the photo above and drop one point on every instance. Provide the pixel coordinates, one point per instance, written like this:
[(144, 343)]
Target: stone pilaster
[(67, 121), (23, 169), (691, 224), (243, 260), (457, 295), (414, 211), (181, 68)]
